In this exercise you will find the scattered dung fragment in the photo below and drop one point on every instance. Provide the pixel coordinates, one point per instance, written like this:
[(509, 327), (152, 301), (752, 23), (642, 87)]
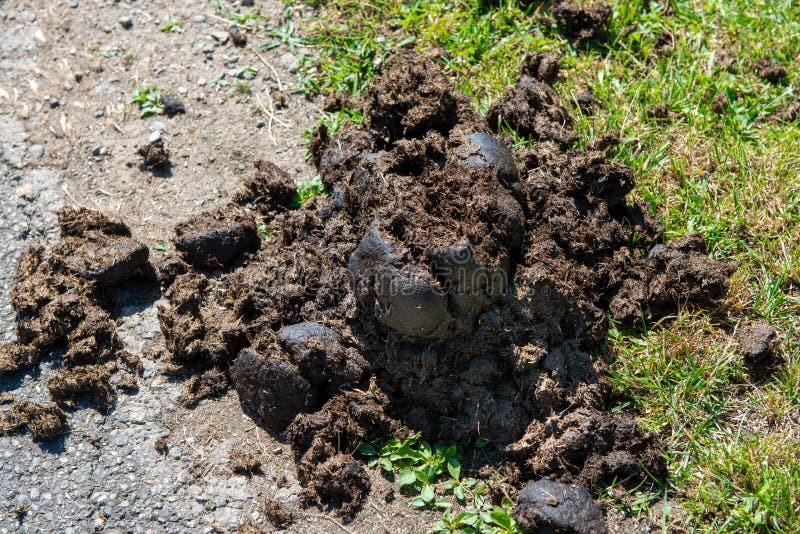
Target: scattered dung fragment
[(277, 514), (244, 462), (720, 102), (532, 109), (212, 240), (336, 102), (172, 106), (546, 507), (271, 188), (586, 102), (238, 37), (14, 357), (665, 43), (161, 445), (154, 154), (675, 274), (322, 355), (43, 422), (578, 22), (416, 100), (541, 67), (759, 346), (770, 71), (725, 59), (71, 384), (791, 111), (661, 112), (211, 383), (61, 300), (79, 222)]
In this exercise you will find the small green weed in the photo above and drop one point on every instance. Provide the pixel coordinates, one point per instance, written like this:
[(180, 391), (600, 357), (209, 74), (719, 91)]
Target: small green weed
[(246, 73), (248, 17), (243, 88), (421, 469), (149, 101), (264, 231), (159, 247), (172, 25), (284, 35), (307, 189)]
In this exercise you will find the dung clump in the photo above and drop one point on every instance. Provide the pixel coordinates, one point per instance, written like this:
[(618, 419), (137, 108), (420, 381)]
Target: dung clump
[(271, 188), (155, 155), (212, 240), (770, 71), (61, 297), (244, 462), (531, 108), (580, 23), (759, 346)]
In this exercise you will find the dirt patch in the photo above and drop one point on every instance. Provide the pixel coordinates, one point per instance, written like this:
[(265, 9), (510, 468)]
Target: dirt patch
[(446, 282), (770, 71)]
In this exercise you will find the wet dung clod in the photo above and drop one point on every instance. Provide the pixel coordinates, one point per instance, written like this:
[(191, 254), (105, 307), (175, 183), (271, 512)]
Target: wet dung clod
[(546, 507), (211, 240)]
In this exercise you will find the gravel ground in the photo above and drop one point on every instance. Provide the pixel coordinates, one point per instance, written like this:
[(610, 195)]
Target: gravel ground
[(67, 70)]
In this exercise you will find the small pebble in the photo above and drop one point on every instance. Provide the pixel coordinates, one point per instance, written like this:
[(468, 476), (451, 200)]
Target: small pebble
[(220, 36), (36, 151), (126, 22)]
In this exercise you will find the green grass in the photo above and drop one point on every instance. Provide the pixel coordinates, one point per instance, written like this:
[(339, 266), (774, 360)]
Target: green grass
[(732, 177)]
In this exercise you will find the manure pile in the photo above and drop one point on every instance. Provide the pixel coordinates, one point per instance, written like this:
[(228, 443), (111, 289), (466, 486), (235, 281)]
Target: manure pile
[(446, 281)]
